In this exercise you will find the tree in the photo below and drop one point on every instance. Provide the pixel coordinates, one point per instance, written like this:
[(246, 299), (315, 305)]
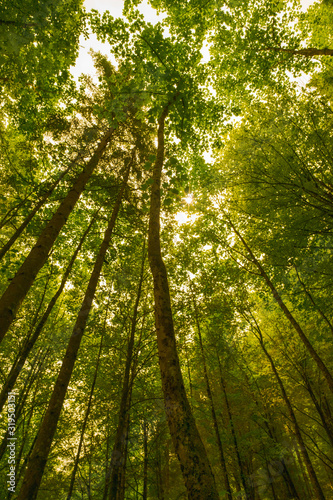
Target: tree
[(206, 374)]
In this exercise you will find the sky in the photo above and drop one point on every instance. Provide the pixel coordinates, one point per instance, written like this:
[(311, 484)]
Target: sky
[(84, 62)]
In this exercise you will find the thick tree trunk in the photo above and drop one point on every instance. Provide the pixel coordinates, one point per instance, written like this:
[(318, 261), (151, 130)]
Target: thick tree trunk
[(31, 215), (117, 458), (212, 408), (313, 353), (196, 470), (30, 342), (39, 455), (319, 495), (24, 278)]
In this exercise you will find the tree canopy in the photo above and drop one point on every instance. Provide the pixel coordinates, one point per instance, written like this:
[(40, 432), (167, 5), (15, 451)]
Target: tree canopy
[(166, 252)]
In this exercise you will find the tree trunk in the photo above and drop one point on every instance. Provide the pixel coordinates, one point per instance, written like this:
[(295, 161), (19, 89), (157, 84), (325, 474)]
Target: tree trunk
[(117, 457), (313, 353), (247, 491), (196, 470), (24, 278), (226, 483), (84, 425), (31, 215), (48, 427), (145, 460), (319, 495), (30, 342), (327, 422)]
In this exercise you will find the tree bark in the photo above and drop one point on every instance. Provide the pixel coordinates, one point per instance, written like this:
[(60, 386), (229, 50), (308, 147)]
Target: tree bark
[(313, 353), (39, 455), (24, 278), (196, 470), (30, 342)]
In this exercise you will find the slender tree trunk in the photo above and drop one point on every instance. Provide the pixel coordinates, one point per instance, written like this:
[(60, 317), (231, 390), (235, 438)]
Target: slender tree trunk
[(24, 278), (31, 215), (84, 425), (248, 493), (196, 470), (121, 495), (145, 460), (117, 457), (319, 495), (272, 434), (106, 471), (30, 342), (327, 422), (48, 427), (212, 407), (313, 353)]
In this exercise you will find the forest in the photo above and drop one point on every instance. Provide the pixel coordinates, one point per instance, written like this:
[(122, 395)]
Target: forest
[(166, 252)]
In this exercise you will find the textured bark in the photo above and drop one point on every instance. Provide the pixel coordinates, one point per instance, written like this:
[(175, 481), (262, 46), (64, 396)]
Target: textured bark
[(309, 52), (116, 470), (196, 470), (84, 425), (30, 342), (48, 427), (212, 408), (24, 278), (31, 215), (313, 353), (318, 493)]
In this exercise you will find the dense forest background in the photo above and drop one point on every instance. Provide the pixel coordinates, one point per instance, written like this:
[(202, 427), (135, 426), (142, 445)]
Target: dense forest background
[(166, 252)]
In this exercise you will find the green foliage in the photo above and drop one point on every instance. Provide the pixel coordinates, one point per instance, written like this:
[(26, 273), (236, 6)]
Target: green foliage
[(271, 180)]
